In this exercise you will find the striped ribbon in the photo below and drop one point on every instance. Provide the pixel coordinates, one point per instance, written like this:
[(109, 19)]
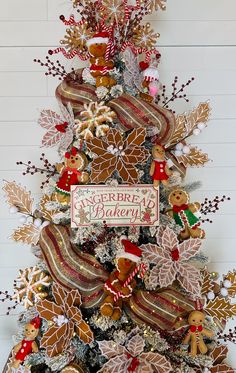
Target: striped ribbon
[(73, 269)]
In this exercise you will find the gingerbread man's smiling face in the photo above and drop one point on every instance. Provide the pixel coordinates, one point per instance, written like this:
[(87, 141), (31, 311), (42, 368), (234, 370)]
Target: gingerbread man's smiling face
[(125, 266), (178, 197), (196, 318), (78, 161), (98, 49)]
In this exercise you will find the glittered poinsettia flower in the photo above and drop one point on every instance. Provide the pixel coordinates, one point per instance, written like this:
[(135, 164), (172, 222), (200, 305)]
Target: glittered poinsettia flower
[(131, 358), (171, 262), (65, 320), (115, 153)]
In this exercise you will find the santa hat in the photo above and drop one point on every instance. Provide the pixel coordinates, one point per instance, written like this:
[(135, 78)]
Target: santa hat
[(151, 74), (99, 37), (130, 251), (36, 322)]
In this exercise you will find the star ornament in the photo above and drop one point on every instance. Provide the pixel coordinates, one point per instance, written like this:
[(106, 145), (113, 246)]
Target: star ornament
[(171, 262), (115, 153), (64, 319)]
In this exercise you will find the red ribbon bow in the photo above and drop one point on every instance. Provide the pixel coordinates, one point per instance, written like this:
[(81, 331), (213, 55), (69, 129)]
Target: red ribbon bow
[(194, 328), (180, 208), (72, 152)]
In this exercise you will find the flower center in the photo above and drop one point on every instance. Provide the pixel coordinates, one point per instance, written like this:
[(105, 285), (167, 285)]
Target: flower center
[(175, 254), (60, 320), (116, 151)]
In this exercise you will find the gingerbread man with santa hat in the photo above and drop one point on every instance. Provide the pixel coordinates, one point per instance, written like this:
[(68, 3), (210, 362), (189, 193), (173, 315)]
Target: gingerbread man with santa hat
[(121, 283), (100, 47)]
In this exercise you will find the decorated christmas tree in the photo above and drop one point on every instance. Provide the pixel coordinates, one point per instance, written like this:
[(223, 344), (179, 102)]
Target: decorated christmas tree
[(121, 284)]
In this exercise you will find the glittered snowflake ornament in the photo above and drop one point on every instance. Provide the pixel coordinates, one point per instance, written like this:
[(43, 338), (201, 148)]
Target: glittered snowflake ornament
[(132, 358), (31, 286), (171, 262)]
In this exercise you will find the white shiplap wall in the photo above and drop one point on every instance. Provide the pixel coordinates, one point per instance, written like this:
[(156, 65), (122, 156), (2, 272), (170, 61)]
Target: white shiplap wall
[(197, 39)]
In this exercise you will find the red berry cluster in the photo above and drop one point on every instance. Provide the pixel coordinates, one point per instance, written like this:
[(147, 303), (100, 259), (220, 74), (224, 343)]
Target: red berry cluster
[(49, 170), (211, 206), (230, 337), (8, 297), (53, 69), (177, 93), (89, 244)]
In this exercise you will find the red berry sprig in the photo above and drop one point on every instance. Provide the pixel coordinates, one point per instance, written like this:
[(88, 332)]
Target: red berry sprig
[(211, 206), (230, 337), (89, 245), (53, 69), (177, 93), (8, 297), (48, 169)]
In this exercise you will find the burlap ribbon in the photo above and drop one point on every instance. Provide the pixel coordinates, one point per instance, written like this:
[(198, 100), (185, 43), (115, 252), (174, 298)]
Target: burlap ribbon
[(70, 267), (133, 112), (76, 93), (165, 310), (73, 269)]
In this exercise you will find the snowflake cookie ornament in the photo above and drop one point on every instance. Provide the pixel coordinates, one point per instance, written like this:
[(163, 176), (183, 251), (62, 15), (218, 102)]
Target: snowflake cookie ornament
[(94, 120), (31, 286)]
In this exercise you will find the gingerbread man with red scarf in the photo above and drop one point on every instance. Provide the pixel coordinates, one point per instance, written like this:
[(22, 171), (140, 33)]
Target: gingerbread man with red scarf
[(196, 332), (28, 344), (159, 170), (71, 174)]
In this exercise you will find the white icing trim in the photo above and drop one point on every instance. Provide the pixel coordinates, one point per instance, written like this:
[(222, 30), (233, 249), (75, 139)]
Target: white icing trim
[(98, 40), (132, 257)]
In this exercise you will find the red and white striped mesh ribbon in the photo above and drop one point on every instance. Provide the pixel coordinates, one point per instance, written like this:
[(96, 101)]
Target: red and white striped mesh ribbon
[(71, 21), (198, 304), (70, 55)]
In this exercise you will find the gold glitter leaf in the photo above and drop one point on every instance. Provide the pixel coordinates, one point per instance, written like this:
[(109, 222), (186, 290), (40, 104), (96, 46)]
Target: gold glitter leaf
[(194, 158), (18, 196), (220, 308), (28, 233)]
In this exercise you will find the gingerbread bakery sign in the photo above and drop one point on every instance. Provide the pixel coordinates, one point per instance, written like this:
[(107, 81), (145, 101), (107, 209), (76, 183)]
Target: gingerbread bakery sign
[(121, 205)]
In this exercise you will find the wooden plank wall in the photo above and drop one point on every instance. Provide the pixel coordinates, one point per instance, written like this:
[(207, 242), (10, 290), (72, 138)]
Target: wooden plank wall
[(197, 39)]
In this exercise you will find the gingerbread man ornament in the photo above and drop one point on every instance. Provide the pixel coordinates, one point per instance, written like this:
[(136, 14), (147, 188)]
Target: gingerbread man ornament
[(28, 344), (121, 283), (71, 174), (159, 170), (196, 333)]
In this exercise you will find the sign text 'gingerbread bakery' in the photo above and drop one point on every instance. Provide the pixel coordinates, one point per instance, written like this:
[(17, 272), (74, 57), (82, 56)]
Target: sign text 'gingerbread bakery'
[(121, 205)]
